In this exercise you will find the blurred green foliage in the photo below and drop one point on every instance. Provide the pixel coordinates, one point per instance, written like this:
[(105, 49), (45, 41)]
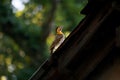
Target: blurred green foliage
[(25, 36)]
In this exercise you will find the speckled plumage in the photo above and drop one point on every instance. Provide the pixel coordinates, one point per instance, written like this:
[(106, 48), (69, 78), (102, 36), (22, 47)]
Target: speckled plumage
[(57, 42)]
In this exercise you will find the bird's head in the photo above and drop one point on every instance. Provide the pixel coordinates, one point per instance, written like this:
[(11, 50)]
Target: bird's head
[(59, 30)]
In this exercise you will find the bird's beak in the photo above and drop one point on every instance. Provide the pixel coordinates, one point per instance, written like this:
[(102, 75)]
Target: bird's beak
[(61, 28)]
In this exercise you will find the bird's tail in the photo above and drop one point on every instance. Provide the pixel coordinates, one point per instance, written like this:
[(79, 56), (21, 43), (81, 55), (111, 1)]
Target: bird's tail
[(51, 50)]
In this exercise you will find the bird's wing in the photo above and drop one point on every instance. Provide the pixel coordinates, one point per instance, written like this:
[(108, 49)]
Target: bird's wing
[(56, 41)]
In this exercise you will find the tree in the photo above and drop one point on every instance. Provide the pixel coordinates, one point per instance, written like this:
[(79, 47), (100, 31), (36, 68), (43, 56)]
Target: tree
[(26, 35)]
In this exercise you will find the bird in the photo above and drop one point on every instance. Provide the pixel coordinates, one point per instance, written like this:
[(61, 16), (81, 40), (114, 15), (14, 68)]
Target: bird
[(59, 38)]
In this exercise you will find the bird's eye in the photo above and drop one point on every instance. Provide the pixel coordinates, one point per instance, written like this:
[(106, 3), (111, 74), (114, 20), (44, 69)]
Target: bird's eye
[(60, 28)]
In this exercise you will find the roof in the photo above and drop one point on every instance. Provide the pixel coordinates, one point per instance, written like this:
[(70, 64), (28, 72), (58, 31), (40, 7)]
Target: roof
[(89, 47)]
